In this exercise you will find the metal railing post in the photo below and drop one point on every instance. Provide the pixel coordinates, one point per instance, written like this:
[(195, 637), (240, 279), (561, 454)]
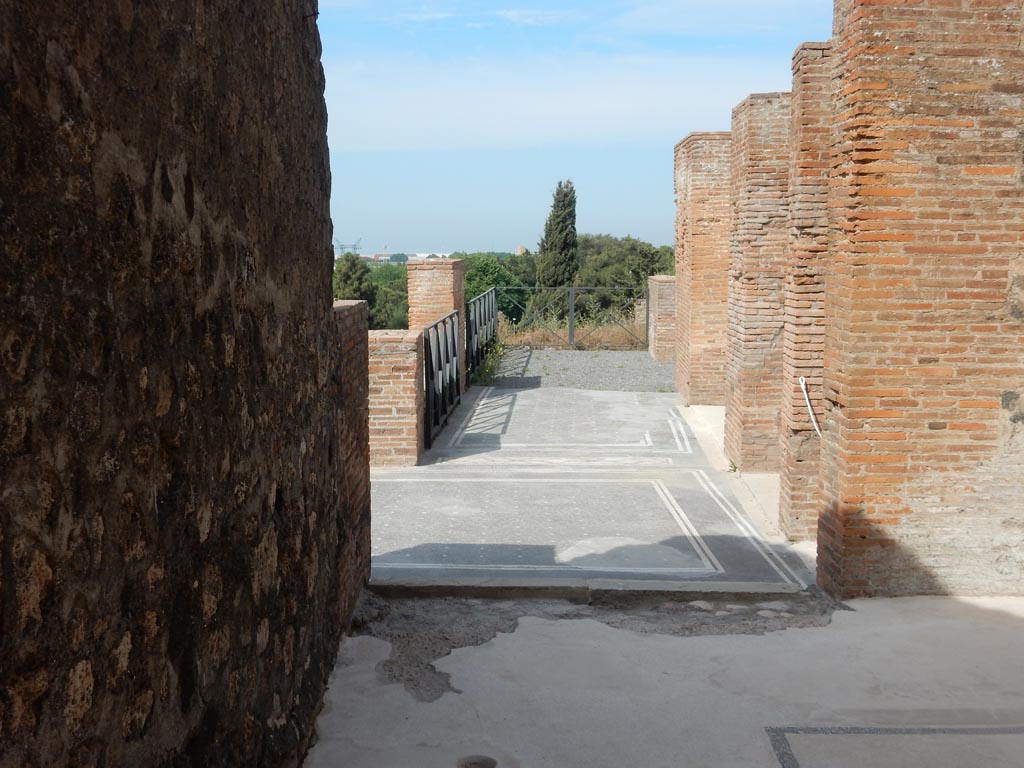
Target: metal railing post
[(647, 314), (572, 316)]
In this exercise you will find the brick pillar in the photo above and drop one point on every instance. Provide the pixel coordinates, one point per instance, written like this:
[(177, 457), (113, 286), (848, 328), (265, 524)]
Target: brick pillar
[(397, 399), (702, 173), (924, 359), (803, 337), (661, 317), (437, 287), (757, 247)]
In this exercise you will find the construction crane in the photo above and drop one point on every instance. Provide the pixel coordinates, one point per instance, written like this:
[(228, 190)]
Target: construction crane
[(352, 248)]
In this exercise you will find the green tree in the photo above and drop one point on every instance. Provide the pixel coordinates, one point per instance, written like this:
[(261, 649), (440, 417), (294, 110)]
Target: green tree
[(390, 308), (351, 279), (666, 260), (608, 261), (558, 252), (485, 271), (524, 267)]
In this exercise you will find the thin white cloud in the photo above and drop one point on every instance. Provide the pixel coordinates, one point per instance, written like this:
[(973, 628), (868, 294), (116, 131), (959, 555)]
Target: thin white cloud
[(424, 16), (333, 5), (533, 18), (719, 18), (413, 103)]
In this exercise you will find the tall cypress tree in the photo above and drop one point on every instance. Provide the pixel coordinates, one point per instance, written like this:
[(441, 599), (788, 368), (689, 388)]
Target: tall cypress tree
[(558, 252)]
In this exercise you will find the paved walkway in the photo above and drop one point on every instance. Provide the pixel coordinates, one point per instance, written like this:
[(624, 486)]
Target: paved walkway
[(915, 683), (617, 370), (548, 486), (574, 488)]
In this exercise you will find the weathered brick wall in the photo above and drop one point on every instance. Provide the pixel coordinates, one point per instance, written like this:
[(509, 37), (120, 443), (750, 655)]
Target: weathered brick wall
[(397, 397), (436, 288), (352, 375), (703, 163), (177, 558), (803, 338), (758, 241), (661, 317), (924, 360)]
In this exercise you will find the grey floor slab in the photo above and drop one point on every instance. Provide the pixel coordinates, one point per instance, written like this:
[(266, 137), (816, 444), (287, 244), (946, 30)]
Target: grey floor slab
[(553, 419), (556, 484), (622, 371), (931, 747), (890, 683)]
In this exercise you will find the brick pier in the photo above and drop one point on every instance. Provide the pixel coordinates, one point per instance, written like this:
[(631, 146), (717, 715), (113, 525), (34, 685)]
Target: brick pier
[(875, 220)]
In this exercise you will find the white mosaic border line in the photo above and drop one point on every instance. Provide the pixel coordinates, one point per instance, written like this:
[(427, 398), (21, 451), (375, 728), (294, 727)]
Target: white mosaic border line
[(700, 547), (779, 737), (675, 424), (748, 529)]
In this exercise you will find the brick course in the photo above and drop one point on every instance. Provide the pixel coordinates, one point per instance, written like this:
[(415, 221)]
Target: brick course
[(703, 164), (924, 359), (661, 317), (803, 339), (397, 397), (757, 248), (436, 288)]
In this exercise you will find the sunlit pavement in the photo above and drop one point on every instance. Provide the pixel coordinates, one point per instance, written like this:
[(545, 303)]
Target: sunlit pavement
[(569, 487)]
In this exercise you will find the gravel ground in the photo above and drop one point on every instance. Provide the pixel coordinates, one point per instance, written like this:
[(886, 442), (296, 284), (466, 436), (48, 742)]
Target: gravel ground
[(591, 369)]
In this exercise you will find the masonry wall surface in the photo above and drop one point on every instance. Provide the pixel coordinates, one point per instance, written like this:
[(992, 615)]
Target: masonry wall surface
[(397, 398), (661, 317), (803, 338), (924, 359), (352, 369), (759, 233), (703, 164), (437, 287), (178, 557)]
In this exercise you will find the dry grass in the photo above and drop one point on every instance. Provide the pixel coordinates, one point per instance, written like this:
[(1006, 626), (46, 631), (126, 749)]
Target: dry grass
[(538, 335)]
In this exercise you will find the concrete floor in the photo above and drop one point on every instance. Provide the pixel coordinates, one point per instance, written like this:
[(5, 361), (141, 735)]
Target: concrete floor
[(914, 682), (573, 488), (791, 681)]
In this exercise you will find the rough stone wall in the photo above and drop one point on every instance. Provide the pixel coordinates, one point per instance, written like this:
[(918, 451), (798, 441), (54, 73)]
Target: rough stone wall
[(351, 374), (803, 338), (397, 398), (758, 241), (177, 558), (436, 288), (924, 361), (702, 177), (661, 317)]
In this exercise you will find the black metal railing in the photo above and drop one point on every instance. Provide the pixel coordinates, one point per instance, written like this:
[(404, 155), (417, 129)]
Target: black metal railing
[(575, 317), (481, 328), (441, 373)]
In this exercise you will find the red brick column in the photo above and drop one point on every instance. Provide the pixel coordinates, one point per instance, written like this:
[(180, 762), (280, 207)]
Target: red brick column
[(350, 317), (924, 360), (757, 246), (803, 339), (397, 397), (702, 173), (661, 317), (437, 287)]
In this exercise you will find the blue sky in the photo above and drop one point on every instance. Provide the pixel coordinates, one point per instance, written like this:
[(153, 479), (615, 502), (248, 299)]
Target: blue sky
[(451, 122)]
